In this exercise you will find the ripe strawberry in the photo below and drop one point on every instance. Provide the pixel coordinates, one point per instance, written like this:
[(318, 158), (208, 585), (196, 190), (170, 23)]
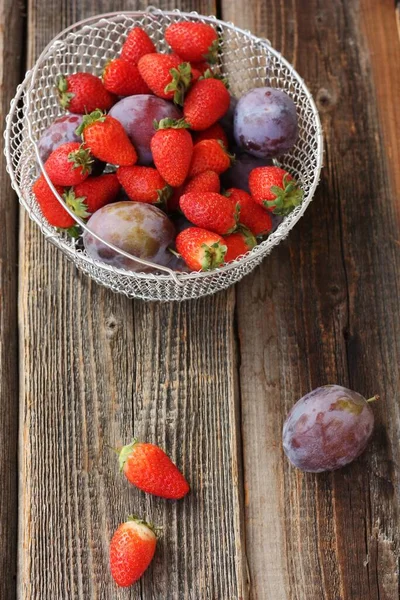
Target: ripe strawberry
[(144, 184), (107, 139), (206, 102), (210, 211), (136, 45), (193, 41), (131, 551), (252, 215), (148, 467), (166, 75), (92, 194), (239, 243), (69, 164), (215, 132), (82, 93), (123, 78), (172, 149), (201, 250), (52, 210), (275, 189), (203, 182), (209, 155)]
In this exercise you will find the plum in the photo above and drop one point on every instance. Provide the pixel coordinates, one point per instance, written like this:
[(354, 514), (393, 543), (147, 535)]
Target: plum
[(327, 429), (137, 114), (238, 174), (265, 122), (61, 131), (140, 229)]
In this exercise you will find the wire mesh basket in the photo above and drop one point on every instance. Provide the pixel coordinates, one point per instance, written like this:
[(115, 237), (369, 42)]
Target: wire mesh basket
[(245, 59)]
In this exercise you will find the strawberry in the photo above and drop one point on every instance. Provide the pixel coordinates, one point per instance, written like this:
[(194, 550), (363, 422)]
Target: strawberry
[(131, 551), (275, 189), (166, 75), (215, 132), (203, 182), (107, 139), (92, 194), (206, 102), (144, 184), (123, 78), (193, 41), (239, 243), (148, 467), (252, 215), (69, 164), (209, 155), (136, 45), (201, 250), (82, 93), (172, 149), (211, 211), (52, 210)]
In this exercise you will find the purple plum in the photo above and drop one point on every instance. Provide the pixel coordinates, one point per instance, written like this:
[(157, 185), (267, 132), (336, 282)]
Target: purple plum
[(61, 131)]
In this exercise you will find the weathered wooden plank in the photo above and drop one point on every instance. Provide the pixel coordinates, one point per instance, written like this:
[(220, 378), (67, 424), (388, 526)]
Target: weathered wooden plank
[(325, 308), (97, 369), (11, 57)]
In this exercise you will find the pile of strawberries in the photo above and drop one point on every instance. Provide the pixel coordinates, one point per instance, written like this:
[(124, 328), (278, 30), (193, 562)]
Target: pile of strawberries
[(189, 154)]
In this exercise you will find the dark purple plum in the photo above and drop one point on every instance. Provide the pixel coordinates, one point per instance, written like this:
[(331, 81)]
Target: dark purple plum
[(141, 229), (265, 123), (137, 114), (238, 174), (61, 131), (327, 429)]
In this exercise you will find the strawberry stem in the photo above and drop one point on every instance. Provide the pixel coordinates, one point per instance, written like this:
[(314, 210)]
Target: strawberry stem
[(93, 117), (139, 521), (287, 197), (168, 123), (125, 452), (213, 256), (65, 97), (181, 78)]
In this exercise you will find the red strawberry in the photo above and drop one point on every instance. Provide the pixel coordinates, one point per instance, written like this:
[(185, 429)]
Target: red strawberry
[(206, 102), (275, 189), (123, 78), (252, 215), (203, 182), (92, 194), (131, 551), (201, 250), (166, 75), (193, 41), (172, 149), (82, 93), (209, 155), (136, 45), (107, 139), (148, 467), (52, 210), (238, 243), (144, 184), (69, 164), (210, 211), (215, 132)]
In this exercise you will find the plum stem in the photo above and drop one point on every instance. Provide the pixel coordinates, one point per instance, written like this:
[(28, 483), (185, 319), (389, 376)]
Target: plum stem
[(374, 398)]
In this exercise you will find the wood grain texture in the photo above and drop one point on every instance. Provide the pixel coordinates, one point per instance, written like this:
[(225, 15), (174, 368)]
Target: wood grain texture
[(325, 308), (99, 369), (11, 27)]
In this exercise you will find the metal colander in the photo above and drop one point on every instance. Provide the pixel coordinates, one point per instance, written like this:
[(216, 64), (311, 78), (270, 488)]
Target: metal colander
[(245, 59)]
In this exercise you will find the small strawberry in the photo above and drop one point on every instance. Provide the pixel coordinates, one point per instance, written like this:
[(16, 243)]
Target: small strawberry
[(252, 215), (193, 41), (215, 132), (210, 211), (208, 181), (209, 155), (123, 78), (148, 467), (69, 164), (166, 75), (275, 189), (172, 149), (82, 93), (92, 194), (52, 210), (136, 45), (239, 243), (206, 102), (201, 250), (107, 139), (131, 551), (144, 184)]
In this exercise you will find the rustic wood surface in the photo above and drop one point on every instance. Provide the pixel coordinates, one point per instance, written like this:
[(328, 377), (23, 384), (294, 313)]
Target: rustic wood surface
[(212, 380)]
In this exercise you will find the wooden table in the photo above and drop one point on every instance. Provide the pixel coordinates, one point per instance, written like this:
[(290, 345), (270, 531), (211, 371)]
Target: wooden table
[(212, 380)]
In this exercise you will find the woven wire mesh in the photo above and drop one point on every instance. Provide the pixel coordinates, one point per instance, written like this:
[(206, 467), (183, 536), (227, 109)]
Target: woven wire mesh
[(246, 60)]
